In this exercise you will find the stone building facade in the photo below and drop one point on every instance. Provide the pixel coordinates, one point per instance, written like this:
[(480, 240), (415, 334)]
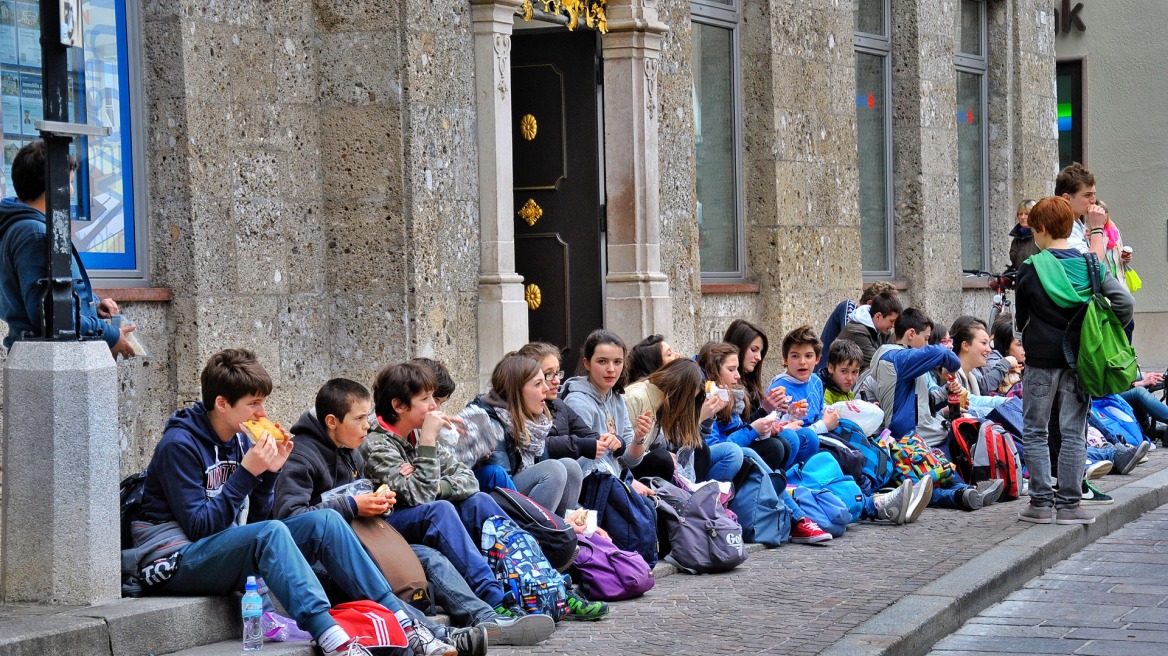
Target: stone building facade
[(330, 181)]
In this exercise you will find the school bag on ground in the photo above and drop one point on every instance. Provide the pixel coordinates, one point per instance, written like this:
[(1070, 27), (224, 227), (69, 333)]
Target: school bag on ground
[(915, 459), (396, 560), (878, 466), (607, 573), (823, 508), (702, 537), (629, 518), (1112, 415), (1009, 415), (1104, 358), (374, 625), (822, 471), (983, 450), (557, 540), (764, 517), (519, 564), (850, 459)]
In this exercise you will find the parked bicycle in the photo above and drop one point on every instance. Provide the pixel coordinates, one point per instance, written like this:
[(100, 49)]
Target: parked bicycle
[(1001, 284)]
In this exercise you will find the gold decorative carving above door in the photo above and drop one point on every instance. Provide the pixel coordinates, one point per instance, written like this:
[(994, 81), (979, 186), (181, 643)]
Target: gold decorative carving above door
[(530, 212), (534, 298), (528, 127)]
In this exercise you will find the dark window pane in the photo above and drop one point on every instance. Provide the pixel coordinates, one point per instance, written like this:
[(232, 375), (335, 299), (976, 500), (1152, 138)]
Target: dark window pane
[(868, 16), (714, 97), (970, 172), (872, 142), (969, 27)]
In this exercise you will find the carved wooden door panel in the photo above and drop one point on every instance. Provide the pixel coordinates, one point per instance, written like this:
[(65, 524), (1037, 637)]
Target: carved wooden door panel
[(559, 213)]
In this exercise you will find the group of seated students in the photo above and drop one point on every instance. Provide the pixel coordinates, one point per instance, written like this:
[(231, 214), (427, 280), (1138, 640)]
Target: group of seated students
[(641, 412)]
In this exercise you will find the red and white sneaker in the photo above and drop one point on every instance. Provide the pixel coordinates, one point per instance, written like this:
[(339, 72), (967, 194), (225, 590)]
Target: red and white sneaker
[(806, 531)]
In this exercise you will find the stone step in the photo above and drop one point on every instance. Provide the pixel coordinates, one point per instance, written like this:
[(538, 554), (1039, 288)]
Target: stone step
[(234, 648)]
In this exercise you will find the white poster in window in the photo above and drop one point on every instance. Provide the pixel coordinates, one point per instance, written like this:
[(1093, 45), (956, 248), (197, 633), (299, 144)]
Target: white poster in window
[(70, 24), (32, 103), (10, 100), (28, 33), (7, 32)]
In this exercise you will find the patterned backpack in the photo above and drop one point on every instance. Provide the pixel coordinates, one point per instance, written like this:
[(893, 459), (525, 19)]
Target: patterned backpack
[(518, 562), (915, 459)]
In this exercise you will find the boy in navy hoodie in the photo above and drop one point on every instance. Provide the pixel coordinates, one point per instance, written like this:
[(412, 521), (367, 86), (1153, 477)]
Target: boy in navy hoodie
[(207, 494)]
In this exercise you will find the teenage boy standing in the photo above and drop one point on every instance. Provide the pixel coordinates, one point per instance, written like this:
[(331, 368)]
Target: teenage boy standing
[(1052, 287)]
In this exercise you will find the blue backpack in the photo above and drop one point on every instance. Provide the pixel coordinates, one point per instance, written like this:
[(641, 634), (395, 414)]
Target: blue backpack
[(764, 517), (1114, 417), (878, 465), (821, 471), (515, 558), (629, 518), (823, 508)]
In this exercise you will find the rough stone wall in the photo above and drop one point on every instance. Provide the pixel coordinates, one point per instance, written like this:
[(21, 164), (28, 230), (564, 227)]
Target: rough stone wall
[(441, 187), (678, 203)]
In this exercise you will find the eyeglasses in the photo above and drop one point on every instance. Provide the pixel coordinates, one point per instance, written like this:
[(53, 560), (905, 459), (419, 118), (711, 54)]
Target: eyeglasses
[(556, 377), (947, 342)]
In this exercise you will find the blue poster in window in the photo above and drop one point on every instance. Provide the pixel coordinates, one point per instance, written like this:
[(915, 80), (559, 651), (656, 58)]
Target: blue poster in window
[(7, 32), (10, 99), (28, 34)]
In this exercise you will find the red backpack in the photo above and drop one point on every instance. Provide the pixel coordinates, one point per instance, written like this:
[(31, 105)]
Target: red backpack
[(986, 450), (373, 625)]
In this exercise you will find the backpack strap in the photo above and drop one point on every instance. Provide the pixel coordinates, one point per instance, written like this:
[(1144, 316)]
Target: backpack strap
[(1070, 346)]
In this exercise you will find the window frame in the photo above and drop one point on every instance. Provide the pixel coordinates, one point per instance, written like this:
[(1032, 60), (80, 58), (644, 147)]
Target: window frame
[(978, 65), (880, 45), (728, 15)]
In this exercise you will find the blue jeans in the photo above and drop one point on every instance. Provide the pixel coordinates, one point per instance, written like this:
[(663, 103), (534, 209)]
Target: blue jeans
[(803, 444), (280, 552), (449, 589), (947, 497), (797, 513), (725, 461), (1098, 453), (493, 476), (1054, 401), (1146, 405), (454, 530)]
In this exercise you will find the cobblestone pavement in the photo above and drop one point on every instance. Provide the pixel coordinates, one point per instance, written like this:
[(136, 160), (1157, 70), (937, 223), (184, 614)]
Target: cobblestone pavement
[(1111, 599), (800, 599)]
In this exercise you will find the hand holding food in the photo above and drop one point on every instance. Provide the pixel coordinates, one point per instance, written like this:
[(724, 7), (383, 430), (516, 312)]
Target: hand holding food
[(255, 429)]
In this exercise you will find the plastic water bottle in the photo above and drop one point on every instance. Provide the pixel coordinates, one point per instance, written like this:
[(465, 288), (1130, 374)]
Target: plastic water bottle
[(253, 609)]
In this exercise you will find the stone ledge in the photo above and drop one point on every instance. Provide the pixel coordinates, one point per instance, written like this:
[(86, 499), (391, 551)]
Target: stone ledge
[(136, 294), (731, 288)]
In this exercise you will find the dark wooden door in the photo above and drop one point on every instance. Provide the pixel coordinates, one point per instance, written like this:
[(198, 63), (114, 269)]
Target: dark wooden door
[(559, 212)]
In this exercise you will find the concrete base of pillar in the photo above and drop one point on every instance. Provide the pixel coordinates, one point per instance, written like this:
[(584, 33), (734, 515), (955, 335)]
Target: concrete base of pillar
[(61, 541), (637, 305)]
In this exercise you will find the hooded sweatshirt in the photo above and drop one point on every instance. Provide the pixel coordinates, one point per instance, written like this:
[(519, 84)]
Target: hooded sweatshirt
[(314, 467), (862, 331), (195, 486), (810, 391), (904, 386), (1052, 287), (24, 264), (603, 414)]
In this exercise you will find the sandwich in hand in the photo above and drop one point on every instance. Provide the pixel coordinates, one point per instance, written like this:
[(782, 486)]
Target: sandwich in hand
[(257, 427)]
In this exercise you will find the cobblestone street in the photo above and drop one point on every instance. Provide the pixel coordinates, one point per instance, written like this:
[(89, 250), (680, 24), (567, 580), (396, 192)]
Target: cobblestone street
[(1111, 599), (799, 599)]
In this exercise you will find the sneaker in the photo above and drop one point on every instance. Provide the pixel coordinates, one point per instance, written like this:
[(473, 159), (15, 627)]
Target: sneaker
[(921, 496), (1075, 515), (353, 648), (1127, 459), (1098, 469), (1093, 496), (969, 499), (990, 490), (582, 610), (806, 531), (1037, 514), (519, 631), (512, 611), (423, 643), (471, 640), (893, 506)]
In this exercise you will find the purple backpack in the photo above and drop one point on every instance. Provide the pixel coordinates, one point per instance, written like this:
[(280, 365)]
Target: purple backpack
[(611, 574)]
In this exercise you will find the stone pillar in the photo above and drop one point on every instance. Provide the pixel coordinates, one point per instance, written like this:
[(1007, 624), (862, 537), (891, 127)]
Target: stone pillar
[(924, 136), (637, 301), (502, 312), (61, 544)]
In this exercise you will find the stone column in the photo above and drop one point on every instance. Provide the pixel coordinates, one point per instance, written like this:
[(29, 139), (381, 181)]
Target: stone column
[(502, 312), (927, 212), (61, 544), (637, 301)]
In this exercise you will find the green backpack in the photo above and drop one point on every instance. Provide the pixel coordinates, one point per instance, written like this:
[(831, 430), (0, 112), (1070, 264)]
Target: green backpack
[(1105, 360)]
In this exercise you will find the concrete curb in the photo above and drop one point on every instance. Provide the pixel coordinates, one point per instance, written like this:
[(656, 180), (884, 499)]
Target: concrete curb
[(912, 625)]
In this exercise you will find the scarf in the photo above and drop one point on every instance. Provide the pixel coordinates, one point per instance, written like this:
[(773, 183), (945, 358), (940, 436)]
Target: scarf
[(739, 400), (537, 432), (1065, 281)]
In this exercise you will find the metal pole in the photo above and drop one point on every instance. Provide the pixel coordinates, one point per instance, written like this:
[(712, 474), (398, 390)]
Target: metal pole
[(59, 320)]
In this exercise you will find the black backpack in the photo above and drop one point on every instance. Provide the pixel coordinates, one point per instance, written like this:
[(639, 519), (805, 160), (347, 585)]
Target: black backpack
[(556, 539), (851, 460), (130, 496)]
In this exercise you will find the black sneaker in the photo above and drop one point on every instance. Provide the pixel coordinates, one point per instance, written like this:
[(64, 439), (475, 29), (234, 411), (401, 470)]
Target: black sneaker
[(469, 641), (1093, 496), (582, 610), (1127, 459)]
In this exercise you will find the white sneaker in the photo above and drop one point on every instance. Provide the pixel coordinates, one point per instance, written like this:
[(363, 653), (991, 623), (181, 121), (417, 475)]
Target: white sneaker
[(894, 505), (921, 496), (354, 648), (423, 643)]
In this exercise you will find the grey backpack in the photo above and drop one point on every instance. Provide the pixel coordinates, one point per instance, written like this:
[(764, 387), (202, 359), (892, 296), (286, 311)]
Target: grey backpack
[(702, 538)]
